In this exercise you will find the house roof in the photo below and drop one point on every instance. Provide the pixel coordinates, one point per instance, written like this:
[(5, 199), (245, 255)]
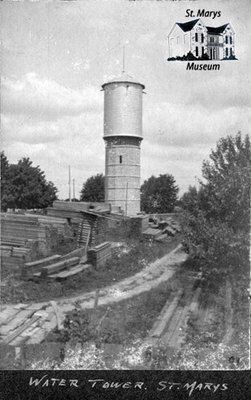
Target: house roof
[(216, 31), (187, 26)]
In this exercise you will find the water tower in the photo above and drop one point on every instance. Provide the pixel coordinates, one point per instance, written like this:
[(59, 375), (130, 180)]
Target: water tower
[(123, 136)]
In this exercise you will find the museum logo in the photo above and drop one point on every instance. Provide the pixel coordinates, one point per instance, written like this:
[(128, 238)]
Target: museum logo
[(194, 41)]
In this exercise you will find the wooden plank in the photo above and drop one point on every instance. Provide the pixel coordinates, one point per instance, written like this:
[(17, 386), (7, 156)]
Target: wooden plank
[(19, 341), (30, 268), (37, 337), (19, 330), (71, 272), (50, 269), (42, 261), (8, 315), (17, 320), (34, 306), (20, 306), (165, 316)]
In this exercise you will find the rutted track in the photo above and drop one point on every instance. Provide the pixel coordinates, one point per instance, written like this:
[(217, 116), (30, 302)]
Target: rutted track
[(30, 323)]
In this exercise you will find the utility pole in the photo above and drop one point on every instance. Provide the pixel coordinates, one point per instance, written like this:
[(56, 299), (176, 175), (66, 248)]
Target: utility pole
[(69, 183), (123, 71), (73, 185)]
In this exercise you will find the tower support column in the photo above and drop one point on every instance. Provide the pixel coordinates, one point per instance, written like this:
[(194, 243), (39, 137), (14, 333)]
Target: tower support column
[(122, 173)]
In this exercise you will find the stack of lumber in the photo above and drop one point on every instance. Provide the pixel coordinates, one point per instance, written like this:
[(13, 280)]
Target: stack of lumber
[(22, 231), (81, 206), (12, 258), (30, 226), (24, 323), (29, 268), (19, 240), (20, 227), (56, 267), (98, 255), (42, 235), (54, 270), (86, 234), (152, 233), (60, 224)]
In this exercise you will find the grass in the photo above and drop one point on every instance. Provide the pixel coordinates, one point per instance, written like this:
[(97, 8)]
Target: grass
[(121, 322), (120, 266)]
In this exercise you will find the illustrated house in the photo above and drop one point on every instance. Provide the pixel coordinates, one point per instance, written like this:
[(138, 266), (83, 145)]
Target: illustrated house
[(195, 37)]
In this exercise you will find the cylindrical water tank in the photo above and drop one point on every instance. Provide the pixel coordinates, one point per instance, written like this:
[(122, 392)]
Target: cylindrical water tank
[(123, 108)]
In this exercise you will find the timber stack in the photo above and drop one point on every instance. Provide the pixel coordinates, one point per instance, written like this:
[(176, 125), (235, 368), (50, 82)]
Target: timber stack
[(26, 237), (98, 255)]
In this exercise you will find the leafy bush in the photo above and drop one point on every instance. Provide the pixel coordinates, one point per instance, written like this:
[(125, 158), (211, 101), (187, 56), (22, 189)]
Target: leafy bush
[(216, 226)]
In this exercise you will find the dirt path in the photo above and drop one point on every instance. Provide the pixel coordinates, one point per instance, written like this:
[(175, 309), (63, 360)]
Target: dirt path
[(47, 315)]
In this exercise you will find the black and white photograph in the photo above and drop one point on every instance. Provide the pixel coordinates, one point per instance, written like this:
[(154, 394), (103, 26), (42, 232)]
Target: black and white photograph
[(125, 189)]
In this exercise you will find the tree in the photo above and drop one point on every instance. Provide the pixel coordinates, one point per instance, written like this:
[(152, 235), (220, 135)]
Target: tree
[(93, 189), (7, 197), (215, 228), (189, 200), (216, 222), (227, 182), (159, 194), (27, 186)]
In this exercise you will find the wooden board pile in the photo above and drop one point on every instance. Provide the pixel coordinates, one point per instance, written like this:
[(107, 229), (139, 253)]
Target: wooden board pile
[(19, 241), (16, 227), (171, 325), (81, 206), (98, 255), (55, 267), (12, 258), (59, 223), (26, 237), (152, 233), (26, 323)]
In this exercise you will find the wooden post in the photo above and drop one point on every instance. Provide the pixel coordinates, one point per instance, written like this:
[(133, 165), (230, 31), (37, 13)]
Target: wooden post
[(69, 183), (73, 187)]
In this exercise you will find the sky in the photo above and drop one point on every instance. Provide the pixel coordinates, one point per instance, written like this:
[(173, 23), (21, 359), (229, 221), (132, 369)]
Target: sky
[(57, 54)]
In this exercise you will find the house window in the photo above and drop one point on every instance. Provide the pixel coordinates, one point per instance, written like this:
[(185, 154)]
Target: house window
[(231, 51), (202, 49), (178, 39), (202, 38), (230, 39), (226, 39), (226, 52), (196, 51), (120, 159), (196, 37), (211, 39)]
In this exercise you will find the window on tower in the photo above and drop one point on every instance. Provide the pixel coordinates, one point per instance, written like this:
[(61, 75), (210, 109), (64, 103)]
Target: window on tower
[(120, 159)]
